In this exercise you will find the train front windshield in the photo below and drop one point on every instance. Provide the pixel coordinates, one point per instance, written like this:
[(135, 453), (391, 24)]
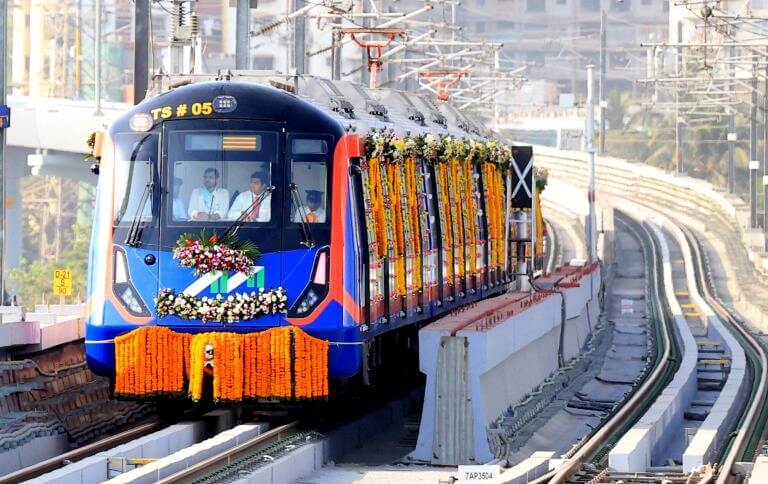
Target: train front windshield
[(221, 176)]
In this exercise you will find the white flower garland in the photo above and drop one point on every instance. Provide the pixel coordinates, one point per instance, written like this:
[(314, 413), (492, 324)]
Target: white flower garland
[(236, 307)]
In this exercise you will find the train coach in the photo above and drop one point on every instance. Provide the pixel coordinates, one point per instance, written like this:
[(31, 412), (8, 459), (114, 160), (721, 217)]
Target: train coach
[(272, 240)]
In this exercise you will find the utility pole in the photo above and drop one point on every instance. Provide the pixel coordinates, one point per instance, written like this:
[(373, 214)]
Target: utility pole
[(97, 56), (731, 129), (765, 158), (678, 118), (242, 34), (3, 103), (299, 40), (590, 133), (603, 67), (141, 50), (754, 164)]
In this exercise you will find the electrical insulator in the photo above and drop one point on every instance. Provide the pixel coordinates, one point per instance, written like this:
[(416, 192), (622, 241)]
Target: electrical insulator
[(184, 24)]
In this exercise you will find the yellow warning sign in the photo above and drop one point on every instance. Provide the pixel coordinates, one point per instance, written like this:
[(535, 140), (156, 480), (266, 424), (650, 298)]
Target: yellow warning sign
[(62, 282)]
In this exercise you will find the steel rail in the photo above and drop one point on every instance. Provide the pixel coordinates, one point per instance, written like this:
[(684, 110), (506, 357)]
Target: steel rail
[(639, 398), (747, 428), (228, 456), (61, 460)]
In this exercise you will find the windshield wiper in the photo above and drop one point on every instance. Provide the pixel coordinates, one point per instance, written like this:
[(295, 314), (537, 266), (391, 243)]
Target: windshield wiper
[(305, 230), (134, 233), (232, 229)]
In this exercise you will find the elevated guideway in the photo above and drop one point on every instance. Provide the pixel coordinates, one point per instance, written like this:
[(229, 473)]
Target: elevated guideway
[(47, 137), (726, 259)]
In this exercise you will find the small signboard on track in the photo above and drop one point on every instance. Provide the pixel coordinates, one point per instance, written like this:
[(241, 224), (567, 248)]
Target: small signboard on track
[(62, 282), (627, 306), (482, 473)]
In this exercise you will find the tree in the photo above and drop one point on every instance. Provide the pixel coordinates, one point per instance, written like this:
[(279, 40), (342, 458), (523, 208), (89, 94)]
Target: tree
[(34, 279)]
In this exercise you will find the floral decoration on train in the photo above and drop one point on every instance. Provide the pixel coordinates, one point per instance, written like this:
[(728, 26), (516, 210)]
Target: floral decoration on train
[(384, 145), (229, 309), (282, 363), (208, 253)]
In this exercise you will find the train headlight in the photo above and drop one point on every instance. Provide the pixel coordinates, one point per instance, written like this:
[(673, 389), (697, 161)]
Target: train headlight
[(123, 287), (317, 288), (141, 122)]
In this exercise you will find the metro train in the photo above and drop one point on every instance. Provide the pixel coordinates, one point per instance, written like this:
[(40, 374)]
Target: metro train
[(278, 235)]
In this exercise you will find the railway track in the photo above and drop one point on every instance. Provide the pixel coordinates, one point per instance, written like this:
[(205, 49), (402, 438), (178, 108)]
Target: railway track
[(61, 460), (587, 463), (751, 427), (656, 379), (245, 458)]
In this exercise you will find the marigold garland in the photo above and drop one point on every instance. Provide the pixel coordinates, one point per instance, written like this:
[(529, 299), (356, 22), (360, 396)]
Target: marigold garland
[(396, 214), (446, 225), (278, 363), (458, 217), (412, 189), (373, 209), (468, 174), (149, 361)]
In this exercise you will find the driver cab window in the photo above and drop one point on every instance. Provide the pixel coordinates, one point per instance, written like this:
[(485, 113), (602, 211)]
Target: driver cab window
[(221, 176), (310, 177), (135, 158)]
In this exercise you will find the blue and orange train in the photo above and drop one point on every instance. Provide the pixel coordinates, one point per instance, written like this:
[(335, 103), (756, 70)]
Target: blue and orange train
[(184, 159)]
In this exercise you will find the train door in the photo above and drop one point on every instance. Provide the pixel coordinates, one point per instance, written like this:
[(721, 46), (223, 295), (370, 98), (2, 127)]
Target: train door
[(222, 176), (307, 197)]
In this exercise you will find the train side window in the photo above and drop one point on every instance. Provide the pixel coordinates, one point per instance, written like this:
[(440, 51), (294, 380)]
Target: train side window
[(135, 158), (309, 200)]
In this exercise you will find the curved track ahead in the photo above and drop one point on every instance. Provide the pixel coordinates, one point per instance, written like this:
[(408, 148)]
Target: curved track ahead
[(748, 429)]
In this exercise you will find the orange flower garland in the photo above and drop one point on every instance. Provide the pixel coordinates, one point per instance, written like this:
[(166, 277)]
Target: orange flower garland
[(149, 361), (396, 215), (283, 363), (377, 199), (445, 221), (413, 211), (455, 188), (469, 191)]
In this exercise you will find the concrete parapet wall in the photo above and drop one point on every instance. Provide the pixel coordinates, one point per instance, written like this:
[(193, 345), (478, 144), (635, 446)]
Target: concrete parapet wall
[(481, 360), (639, 446), (710, 436), (636, 181), (44, 328), (192, 455), (94, 469)]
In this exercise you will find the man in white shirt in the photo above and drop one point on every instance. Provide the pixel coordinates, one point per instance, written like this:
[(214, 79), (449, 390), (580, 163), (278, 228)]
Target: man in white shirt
[(209, 202), (315, 213), (262, 211)]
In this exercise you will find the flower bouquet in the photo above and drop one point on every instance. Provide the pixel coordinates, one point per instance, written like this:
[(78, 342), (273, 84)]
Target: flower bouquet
[(207, 253)]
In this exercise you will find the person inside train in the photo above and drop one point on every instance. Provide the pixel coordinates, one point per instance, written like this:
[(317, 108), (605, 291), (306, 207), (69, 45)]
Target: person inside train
[(262, 211), (315, 213), (179, 209), (209, 202)]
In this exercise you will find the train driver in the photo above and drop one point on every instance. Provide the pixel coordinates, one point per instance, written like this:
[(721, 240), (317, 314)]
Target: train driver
[(209, 202), (262, 211), (315, 211)]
